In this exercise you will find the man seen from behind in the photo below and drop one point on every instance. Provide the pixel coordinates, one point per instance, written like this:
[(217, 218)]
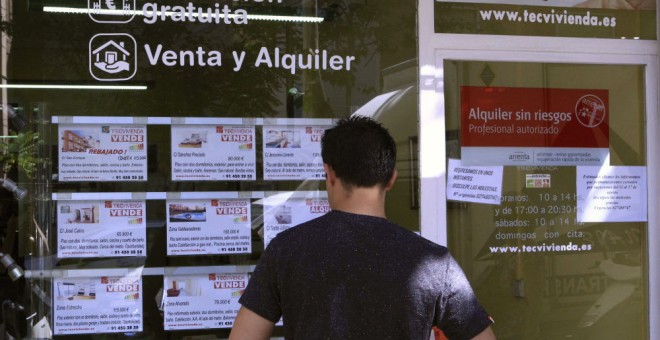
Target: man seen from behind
[(352, 274)]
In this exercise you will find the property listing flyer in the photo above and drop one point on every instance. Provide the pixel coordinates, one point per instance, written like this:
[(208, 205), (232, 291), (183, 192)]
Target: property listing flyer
[(89, 152), (534, 126), (213, 153), (282, 213), (292, 152), (611, 194), (202, 301), (97, 305), (215, 226), (101, 229)]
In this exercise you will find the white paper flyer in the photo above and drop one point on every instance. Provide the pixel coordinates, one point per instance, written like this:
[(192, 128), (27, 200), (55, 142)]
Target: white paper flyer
[(101, 229), (90, 152), (202, 301), (478, 184), (283, 211), (611, 194), (213, 153), (97, 305), (215, 226), (292, 152)]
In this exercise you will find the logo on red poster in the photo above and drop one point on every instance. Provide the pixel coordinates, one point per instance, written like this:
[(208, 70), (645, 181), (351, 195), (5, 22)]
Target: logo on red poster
[(590, 110)]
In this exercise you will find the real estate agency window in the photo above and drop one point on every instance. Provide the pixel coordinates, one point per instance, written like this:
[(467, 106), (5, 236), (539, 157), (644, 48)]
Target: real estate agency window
[(165, 144)]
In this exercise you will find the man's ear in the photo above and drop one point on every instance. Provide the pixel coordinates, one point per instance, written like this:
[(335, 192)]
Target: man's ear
[(330, 175), (390, 183)]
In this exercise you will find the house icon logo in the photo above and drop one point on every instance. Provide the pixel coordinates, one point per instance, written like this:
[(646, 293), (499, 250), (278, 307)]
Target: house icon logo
[(112, 57), (111, 11)]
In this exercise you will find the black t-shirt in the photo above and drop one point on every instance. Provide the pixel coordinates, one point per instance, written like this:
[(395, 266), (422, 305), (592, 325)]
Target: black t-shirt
[(347, 276)]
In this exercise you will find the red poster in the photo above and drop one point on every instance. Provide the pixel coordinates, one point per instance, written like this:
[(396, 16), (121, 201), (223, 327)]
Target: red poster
[(534, 126)]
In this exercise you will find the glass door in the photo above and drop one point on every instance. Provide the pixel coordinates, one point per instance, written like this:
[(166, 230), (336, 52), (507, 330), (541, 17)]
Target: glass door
[(543, 190), (538, 161), (547, 195)]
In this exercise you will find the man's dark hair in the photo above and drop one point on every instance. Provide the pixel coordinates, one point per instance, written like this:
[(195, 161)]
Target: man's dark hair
[(360, 151)]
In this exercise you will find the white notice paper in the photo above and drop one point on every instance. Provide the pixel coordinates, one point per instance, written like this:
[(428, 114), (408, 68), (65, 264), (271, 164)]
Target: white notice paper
[(101, 229), (202, 301), (97, 305), (102, 152), (478, 184), (282, 212), (213, 153), (611, 194), (216, 226), (293, 152)]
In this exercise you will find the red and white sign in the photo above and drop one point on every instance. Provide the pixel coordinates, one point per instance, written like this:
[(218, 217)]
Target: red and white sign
[(534, 126)]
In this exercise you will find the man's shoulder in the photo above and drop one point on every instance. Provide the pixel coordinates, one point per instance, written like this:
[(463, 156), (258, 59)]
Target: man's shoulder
[(425, 245), (301, 230), (342, 223), (307, 226)]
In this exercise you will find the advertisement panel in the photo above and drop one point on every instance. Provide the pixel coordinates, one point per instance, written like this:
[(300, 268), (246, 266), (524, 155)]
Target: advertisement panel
[(215, 226), (101, 229), (292, 152), (534, 126), (284, 211), (97, 305), (213, 153), (91, 152), (202, 301)]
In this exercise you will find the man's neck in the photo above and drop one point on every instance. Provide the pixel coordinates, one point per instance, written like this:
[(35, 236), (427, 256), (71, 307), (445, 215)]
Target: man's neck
[(362, 201)]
